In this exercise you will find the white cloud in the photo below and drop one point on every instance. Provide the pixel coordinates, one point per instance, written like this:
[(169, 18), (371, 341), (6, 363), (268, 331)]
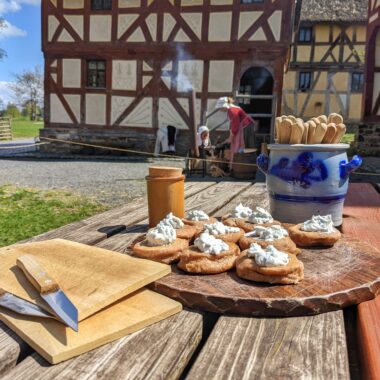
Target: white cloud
[(11, 6), (7, 6), (10, 30)]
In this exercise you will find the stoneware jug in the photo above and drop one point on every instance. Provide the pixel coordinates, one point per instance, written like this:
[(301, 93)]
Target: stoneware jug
[(306, 180)]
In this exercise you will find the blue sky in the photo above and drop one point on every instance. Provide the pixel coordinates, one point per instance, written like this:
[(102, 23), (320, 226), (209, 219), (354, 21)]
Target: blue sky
[(21, 39)]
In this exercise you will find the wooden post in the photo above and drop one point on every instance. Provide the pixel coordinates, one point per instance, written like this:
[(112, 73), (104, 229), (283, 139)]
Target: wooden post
[(193, 123)]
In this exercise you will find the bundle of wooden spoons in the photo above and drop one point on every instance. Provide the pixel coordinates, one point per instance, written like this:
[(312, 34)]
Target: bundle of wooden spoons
[(318, 130)]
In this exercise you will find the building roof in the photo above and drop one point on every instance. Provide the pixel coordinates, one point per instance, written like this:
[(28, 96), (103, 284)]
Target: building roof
[(334, 10)]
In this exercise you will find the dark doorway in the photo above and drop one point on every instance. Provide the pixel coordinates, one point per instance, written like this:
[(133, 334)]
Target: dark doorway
[(257, 81)]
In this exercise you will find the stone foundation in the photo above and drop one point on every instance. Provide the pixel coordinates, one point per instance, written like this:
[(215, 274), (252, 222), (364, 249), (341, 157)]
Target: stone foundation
[(143, 140), (368, 139)]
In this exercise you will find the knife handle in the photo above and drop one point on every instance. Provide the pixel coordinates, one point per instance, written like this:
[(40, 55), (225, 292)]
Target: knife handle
[(37, 275)]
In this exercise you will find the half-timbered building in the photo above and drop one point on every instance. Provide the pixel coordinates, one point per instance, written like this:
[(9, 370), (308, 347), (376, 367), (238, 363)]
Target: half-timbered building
[(369, 131), (117, 70), (326, 70)]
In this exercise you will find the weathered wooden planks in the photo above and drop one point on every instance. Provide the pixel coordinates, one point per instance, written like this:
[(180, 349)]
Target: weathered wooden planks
[(109, 223), (87, 231), (210, 200), (289, 348), (11, 346), (362, 220), (155, 353)]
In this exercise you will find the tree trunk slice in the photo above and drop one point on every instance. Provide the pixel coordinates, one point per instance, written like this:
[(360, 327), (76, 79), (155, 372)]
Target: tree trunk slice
[(346, 274)]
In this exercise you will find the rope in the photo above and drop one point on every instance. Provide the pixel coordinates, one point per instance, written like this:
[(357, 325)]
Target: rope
[(141, 153), (23, 146), (148, 153)]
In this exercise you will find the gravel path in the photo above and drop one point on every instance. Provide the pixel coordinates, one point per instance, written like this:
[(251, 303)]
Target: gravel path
[(110, 182)]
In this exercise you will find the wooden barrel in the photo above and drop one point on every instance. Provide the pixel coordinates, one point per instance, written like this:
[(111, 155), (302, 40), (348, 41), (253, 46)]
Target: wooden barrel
[(240, 169)]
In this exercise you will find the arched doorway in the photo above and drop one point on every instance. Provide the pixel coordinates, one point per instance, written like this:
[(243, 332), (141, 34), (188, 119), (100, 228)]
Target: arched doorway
[(257, 81)]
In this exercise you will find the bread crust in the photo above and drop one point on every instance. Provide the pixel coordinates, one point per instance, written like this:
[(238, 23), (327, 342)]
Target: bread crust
[(193, 260), (199, 224), (286, 244), (292, 273), (187, 232), (232, 237), (313, 239), (166, 254)]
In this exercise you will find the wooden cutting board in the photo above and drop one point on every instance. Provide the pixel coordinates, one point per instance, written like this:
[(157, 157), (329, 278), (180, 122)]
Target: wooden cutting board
[(93, 278), (56, 343)]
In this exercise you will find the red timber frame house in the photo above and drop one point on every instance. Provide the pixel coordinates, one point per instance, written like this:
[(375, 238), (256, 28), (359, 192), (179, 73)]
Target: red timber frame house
[(372, 82), (117, 70)]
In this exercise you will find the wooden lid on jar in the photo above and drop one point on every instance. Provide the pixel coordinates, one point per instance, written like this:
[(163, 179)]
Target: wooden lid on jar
[(164, 172)]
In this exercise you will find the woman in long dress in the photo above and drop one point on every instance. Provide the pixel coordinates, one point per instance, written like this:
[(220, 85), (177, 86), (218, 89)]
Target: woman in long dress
[(239, 120)]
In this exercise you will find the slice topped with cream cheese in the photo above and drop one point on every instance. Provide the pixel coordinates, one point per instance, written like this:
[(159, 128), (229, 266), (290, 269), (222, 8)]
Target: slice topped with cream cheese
[(268, 233), (268, 257), (173, 221), (318, 223), (161, 235), (260, 216), (207, 243), (241, 212), (197, 216), (219, 228)]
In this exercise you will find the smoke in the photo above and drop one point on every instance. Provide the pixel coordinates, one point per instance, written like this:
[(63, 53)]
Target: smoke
[(182, 81)]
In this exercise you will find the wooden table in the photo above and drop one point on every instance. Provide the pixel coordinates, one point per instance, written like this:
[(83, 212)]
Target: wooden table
[(196, 345)]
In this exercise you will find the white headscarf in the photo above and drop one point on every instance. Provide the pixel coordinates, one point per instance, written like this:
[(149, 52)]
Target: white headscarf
[(201, 129), (224, 103)]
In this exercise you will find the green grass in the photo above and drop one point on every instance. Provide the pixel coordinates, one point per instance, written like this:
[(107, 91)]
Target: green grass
[(28, 212), (348, 138), (23, 127)]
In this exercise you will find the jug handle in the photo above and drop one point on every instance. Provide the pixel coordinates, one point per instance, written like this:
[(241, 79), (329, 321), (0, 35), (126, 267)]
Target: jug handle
[(346, 168), (263, 163)]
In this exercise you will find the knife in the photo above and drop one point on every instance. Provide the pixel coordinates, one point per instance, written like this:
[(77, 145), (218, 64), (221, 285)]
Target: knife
[(21, 306), (49, 290)]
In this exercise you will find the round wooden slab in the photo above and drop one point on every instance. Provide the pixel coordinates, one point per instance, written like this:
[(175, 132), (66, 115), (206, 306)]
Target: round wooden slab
[(347, 274)]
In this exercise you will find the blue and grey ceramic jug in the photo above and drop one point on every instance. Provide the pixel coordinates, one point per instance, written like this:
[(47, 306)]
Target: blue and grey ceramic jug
[(306, 180)]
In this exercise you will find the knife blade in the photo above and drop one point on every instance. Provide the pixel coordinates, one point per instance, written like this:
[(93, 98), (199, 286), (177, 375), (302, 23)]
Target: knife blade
[(11, 302), (49, 290)]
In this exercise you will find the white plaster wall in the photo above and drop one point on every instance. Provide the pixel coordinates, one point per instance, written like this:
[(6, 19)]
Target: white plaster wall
[(57, 112), (95, 109), (52, 26), (73, 4), (141, 116), (124, 75), (190, 72), (129, 3), (100, 28), (220, 26), (118, 105), (74, 103), (221, 76), (76, 22), (217, 118), (275, 24), (124, 22), (71, 73), (246, 20)]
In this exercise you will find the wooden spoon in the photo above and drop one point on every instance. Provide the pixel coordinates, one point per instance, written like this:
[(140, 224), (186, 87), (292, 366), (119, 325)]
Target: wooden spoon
[(297, 133), (305, 133), (335, 118), (278, 125), (340, 131), (285, 131), (310, 135), (330, 134), (322, 119), (319, 134), (292, 118)]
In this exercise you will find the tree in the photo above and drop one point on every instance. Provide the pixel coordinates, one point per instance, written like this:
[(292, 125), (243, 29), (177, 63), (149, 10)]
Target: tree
[(12, 110), (28, 88), (2, 51)]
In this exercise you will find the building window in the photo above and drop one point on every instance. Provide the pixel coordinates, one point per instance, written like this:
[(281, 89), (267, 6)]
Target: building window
[(96, 74), (99, 5), (305, 34), (251, 1), (357, 82), (304, 81)]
